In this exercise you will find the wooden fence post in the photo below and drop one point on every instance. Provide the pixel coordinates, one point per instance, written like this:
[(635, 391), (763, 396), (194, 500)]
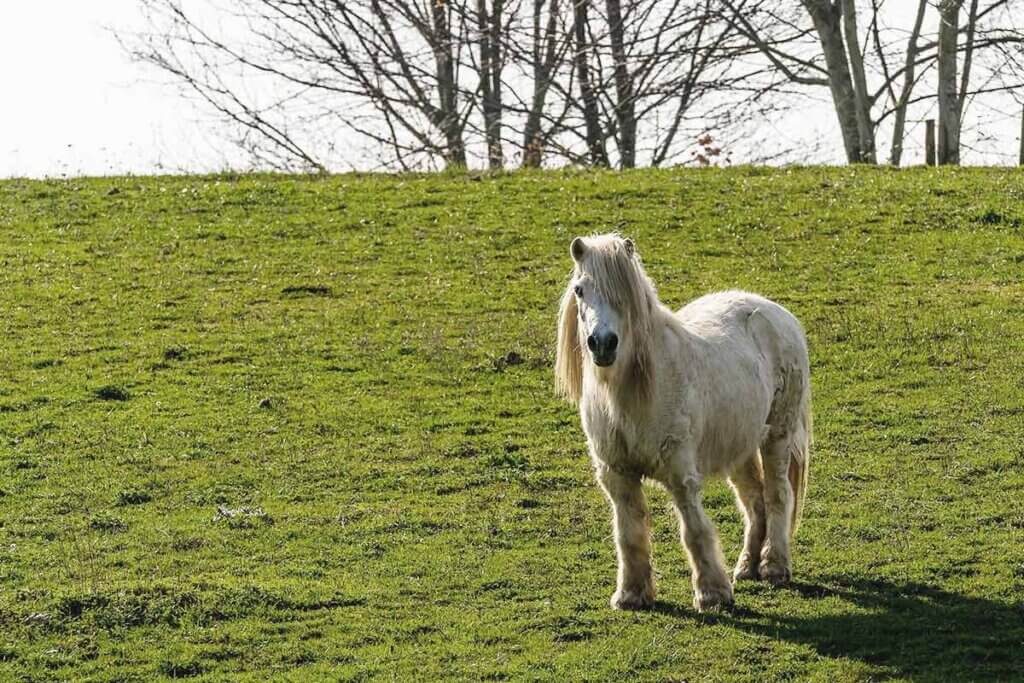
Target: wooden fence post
[(929, 142)]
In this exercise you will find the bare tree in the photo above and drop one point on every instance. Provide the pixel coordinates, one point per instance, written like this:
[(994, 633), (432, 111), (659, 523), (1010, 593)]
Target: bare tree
[(778, 32), (549, 45), (387, 69), (491, 41), (443, 82), (948, 93), (899, 104), (854, 54), (648, 69), (861, 98), (453, 83), (625, 102), (595, 136)]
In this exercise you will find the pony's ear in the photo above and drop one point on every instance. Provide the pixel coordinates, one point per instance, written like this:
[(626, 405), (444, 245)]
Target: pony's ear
[(630, 247), (577, 249)]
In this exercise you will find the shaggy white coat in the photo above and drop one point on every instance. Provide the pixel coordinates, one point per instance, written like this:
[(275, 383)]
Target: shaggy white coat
[(721, 387)]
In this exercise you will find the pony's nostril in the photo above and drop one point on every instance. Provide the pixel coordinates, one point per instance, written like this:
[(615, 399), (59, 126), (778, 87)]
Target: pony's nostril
[(592, 342), (613, 341)]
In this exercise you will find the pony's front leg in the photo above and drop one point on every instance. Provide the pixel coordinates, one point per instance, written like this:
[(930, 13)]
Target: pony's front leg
[(711, 585), (632, 524)]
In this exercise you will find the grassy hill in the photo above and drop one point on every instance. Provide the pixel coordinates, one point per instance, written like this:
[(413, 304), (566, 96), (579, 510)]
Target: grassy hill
[(304, 428)]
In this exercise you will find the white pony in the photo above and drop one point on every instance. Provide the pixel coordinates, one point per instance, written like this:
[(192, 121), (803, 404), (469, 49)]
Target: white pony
[(721, 387)]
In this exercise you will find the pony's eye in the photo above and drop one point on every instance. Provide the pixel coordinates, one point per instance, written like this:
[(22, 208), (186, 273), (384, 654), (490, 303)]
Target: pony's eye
[(579, 291)]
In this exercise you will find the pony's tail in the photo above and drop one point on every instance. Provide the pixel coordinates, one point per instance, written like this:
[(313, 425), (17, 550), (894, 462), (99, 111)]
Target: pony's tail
[(800, 459)]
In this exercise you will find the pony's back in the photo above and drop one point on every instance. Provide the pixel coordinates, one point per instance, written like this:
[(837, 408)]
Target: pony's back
[(741, 319)]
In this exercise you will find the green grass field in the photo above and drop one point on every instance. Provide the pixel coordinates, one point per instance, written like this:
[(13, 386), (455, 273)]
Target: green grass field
[(304, 428)]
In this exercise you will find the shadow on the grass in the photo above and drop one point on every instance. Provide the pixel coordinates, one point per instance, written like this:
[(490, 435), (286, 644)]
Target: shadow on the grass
[(911, 629)]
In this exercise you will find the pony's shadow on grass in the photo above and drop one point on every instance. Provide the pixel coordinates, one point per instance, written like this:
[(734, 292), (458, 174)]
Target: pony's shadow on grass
[(910, 629)]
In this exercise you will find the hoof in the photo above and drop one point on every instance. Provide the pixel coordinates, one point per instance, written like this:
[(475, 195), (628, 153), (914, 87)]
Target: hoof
[(776, 575), (746, 570), (713, 599), (633, 600)]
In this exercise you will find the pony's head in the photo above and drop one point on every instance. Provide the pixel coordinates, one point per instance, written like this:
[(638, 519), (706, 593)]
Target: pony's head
[(605, 316)]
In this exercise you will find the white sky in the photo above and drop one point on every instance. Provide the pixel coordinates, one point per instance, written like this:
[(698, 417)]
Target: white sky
[(75, 104)]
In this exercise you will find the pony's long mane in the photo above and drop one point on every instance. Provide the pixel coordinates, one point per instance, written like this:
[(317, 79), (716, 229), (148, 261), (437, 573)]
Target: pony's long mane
[(616, 271)]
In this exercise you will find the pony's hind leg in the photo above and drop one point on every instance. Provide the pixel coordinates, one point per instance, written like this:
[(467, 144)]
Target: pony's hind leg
[(747, 483), (711, 586), (632, 525), (778, 501)]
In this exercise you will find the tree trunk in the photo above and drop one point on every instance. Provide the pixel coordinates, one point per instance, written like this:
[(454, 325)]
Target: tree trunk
[(625, 105), (1022, 138), (447, 117), (965, 78), (595, 137), (949, 105), (543, 69), (489, 26), (862, 106), (900, 122), (827, 23)]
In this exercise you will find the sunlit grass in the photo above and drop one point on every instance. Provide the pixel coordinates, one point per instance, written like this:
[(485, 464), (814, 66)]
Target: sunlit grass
[(304, 427)]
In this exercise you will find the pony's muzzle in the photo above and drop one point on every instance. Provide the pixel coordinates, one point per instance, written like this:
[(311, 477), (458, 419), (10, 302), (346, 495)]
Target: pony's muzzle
[(602, 348)]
